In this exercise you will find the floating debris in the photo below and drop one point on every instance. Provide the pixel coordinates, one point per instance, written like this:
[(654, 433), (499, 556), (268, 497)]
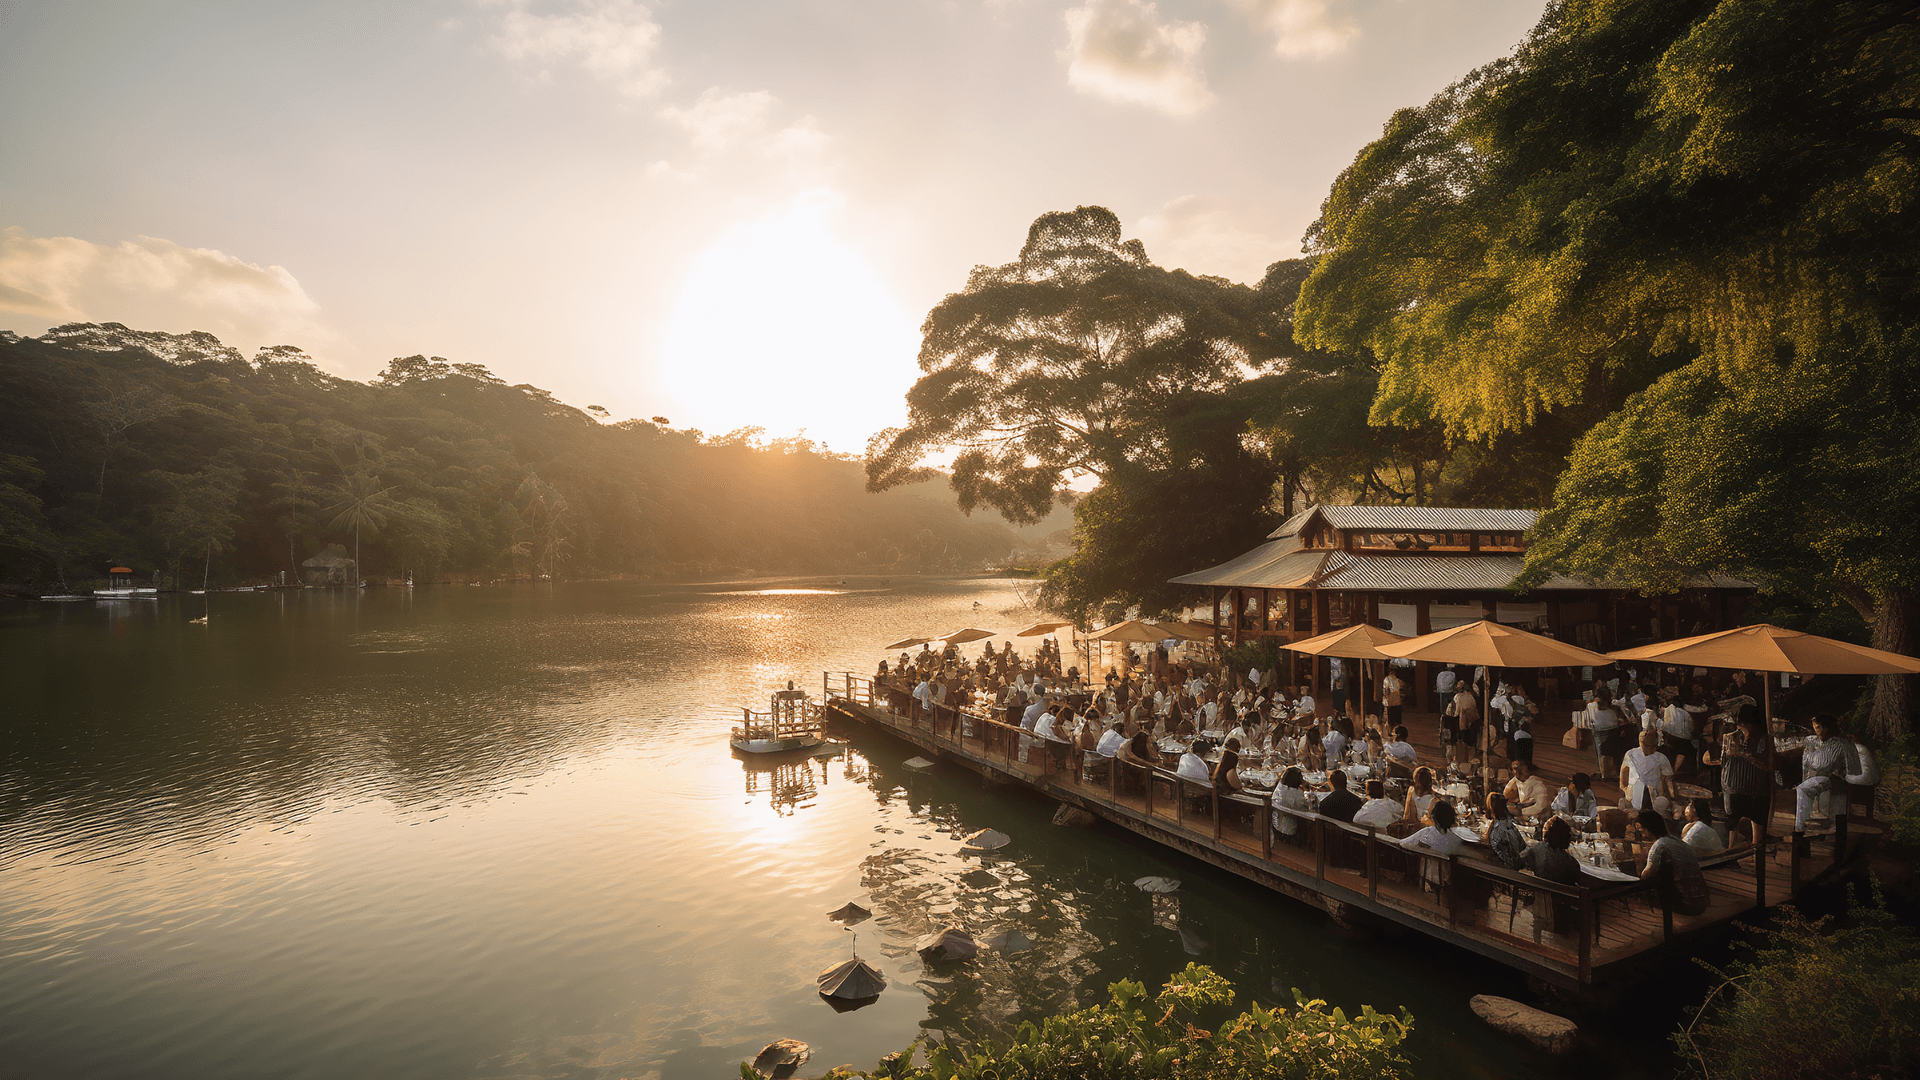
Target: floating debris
[(850, 915), (951, 943), (980, 879), (851, 983), (917, 763), (987, 840), (1158, 884), (1008, 942), (781, 1058)]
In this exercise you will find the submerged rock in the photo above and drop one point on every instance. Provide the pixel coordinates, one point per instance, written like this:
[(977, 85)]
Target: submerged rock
[(1554, 1034), (781, 1058)]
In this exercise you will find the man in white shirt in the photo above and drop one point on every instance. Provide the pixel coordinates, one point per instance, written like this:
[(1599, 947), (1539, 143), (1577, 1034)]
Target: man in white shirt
[(1193, 767), (1526, 793), (1304, 707), (1111, 740), (1043, 727), (1209, 715), (1378, 811), (1391, 688), (1443, 683), (1676, 729), (1402, 751), (1032, 716), (1647, 776), (1825, 765), (923, 694)]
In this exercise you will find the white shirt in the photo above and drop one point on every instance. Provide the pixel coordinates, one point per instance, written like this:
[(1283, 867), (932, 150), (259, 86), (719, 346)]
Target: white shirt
[(1444, 681), (1209, 713), (1044, 726), (1305, 704), (924, 692), (1032, 715), (1253, 676), (1293, 799), (1402, 752), (1336, 746), (1437, 841), (1701, 837), (1192, 767), (1110, 743), (1677, 722), (1377, 812), (1645, 771)]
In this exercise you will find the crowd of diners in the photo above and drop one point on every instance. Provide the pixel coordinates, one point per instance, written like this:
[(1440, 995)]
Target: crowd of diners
[(1658, 733)]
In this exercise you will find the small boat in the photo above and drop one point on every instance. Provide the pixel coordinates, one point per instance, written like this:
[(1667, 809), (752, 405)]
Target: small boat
[(791, 723), (120, 587)]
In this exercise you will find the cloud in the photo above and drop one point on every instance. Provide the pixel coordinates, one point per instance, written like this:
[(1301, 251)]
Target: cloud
[(718, 120), (745, 130), (613, 41), (1198, 234), (151, 283), (1303, 28), (1121, 51)]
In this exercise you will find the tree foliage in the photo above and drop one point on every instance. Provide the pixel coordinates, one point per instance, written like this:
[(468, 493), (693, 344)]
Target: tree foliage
[(244, 458), (1076, 358), (1133, 1037)]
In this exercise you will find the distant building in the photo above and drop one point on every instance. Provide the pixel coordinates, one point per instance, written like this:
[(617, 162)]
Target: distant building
[(331, 567), (1417, 569)]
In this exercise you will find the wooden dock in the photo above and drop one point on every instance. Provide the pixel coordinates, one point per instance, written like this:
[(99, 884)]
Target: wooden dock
[(1569, 936)]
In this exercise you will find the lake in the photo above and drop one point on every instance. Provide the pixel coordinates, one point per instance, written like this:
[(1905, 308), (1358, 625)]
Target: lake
[(497, 832)]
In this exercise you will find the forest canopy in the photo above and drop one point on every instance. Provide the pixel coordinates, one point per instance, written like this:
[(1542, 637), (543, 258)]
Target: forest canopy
[(152, 450)]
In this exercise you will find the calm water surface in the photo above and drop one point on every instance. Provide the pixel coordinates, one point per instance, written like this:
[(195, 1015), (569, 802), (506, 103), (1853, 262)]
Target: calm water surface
[(490, 833)]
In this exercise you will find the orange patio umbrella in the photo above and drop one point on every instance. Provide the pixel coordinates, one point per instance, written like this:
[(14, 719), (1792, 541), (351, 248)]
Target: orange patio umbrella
[(1360, 641), (1040, 628), (1490, 645), (962, 637)]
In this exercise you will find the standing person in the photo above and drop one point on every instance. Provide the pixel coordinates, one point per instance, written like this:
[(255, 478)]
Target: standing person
[(1391, 688), (1467, 707), (1647, 776), (1746, 767), (1339, 687), (1609, 732)]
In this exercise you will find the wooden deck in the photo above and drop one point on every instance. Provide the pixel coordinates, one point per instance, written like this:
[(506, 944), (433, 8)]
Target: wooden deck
[(1566, 935)]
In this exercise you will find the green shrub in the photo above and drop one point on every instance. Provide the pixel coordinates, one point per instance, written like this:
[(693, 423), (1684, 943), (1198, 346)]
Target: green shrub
[(1815, 999), (1132, 1038), (1897, 802)]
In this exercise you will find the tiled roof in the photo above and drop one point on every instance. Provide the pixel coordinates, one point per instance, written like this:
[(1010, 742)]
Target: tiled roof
[(1413, 519)]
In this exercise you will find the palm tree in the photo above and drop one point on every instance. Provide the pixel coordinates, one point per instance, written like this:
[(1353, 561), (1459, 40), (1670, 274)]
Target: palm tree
[(360, 501), (295, 487)]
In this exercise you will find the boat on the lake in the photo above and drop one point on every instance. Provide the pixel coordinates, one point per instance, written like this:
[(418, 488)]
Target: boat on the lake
[(792, 722), (120, 587)]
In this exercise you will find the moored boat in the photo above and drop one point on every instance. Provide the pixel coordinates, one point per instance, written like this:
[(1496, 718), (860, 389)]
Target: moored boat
[(792, 722)]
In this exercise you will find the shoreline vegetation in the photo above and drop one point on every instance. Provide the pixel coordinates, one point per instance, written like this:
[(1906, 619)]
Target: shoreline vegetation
[(175, 455)]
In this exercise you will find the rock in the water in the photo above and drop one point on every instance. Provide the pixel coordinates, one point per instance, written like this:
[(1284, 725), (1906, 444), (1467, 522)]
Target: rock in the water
[(1554, 1034), (1073, 817), (1157, 884), (781, 1058)]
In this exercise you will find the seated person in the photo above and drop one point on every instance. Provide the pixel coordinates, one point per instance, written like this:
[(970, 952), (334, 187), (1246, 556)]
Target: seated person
[(1226, 771), (1339, 803), (1379, 811), (1503, 836), (1549, 858), (1193, 767), (1420, 795), (1700, 833), (1577, 799), (1290, 794), (1335, 744), (1112, 740), (1438, 837), (1674, 867), (1400, 750), (1526, 792)]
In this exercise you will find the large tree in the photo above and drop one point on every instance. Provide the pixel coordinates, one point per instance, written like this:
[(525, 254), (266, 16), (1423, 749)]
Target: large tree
[(1075, 359), (1724, 188)]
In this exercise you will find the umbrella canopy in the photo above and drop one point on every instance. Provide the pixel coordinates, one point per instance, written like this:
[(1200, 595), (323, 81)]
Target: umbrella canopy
[(1489, 644), (951, 943), (1764, 647), (852, 980), (1132, 630), (1361, 642), (986, 840), (1040, 628), (907, 643), (1187, 631), (962, 637), (850, 915)]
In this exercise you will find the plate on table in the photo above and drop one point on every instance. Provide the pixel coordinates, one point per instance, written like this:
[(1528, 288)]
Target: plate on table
[(1692, 791)]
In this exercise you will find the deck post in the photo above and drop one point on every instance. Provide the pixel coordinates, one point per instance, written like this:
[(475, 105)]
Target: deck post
[(1586, 936), (1320, 847), (1266, 827), (1214, 795), (1147, 773), (1373, 863)]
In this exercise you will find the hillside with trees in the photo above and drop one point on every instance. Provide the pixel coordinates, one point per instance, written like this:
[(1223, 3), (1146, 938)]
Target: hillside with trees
[(175, 453)]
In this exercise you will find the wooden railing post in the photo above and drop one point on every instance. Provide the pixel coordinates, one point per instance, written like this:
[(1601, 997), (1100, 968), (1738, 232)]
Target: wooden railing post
[(1373, 863), (1214, 794), (1146, 773), (1320, 848), (1266, 827), (1586, 936)]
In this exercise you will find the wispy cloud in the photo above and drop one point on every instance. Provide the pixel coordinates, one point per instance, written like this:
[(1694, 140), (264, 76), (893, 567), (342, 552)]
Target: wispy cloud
[(747, 126), (154, 283), (1303, 28), (614, 41), (1200, 234), (1121, 51)]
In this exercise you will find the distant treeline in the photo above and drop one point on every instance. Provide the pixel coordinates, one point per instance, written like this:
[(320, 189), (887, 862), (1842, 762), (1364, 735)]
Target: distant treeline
[(158, 452)]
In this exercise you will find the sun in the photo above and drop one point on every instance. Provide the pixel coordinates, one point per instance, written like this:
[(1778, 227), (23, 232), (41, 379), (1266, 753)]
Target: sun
[(783, 324)]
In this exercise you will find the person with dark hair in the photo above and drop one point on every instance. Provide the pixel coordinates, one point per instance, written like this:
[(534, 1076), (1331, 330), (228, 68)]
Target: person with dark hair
[(1577, 798), (1292, 795), (1503, 836), (1549, 858), (1339, 804), (1379, 810), (1438, 837), (1401, 752), (1674, 868), (1746, 761), (1825, 767), (1420, 795), (1226, 771), (1700, 834), (1527, 792)]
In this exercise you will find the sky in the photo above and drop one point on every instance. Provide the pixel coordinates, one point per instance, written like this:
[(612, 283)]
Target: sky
[(727, 213)]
